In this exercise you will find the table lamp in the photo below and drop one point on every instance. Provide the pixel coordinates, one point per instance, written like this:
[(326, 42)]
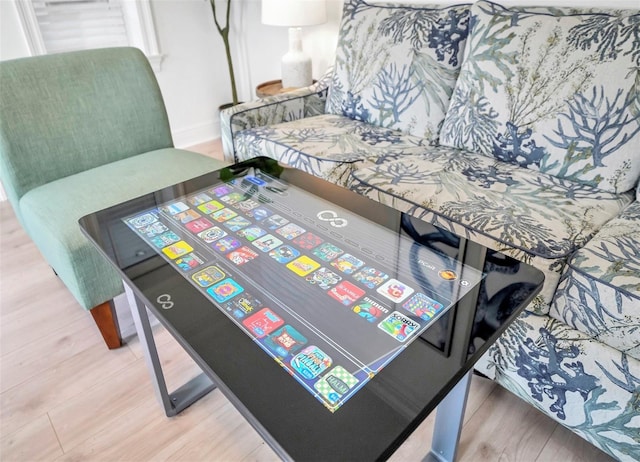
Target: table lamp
[(296, 64)]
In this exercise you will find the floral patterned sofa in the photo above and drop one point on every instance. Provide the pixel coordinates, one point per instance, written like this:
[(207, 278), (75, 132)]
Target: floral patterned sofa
[(519, 128)]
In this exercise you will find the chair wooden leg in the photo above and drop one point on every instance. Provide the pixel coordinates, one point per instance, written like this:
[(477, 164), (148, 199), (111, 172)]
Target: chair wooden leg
[(106, 319)]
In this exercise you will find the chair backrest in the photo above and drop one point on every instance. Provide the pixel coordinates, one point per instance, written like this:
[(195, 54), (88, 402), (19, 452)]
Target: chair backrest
[(66, 113)]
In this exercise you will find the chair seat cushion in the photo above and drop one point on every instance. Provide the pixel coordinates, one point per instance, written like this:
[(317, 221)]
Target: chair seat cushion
[(531, 216), (600, 292), (51, 213), (328, 146)]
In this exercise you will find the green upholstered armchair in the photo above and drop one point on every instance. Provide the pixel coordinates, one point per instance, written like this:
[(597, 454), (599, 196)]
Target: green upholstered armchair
[(79, 132)]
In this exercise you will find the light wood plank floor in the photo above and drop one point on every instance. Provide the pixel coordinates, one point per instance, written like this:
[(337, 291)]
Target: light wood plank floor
[(65, 397)]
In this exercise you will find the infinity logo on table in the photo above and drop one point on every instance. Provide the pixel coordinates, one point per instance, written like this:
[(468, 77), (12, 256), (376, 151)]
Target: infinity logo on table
[(333, 218), (165, 301)]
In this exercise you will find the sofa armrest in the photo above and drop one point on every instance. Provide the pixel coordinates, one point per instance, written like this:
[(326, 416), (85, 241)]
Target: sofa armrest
[(285, 107)]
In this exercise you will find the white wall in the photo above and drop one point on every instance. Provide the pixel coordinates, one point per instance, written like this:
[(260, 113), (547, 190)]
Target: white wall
[(194, 75)]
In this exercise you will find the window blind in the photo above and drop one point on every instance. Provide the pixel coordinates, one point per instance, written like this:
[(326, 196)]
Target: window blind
[(69, 25)]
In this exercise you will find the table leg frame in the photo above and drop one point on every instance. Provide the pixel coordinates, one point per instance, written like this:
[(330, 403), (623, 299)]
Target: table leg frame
[(181, 398), (449, 420)]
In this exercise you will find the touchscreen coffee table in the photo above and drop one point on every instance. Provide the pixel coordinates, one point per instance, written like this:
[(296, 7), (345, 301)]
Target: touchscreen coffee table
[(333, 323)]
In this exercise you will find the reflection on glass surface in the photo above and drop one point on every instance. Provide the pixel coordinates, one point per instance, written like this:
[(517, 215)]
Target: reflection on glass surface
[(247, 247)]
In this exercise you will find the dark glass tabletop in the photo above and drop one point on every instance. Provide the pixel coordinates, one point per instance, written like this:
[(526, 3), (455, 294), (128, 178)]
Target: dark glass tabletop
[(334, 323)]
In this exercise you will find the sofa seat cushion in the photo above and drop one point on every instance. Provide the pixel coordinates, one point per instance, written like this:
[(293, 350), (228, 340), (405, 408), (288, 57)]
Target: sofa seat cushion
[(533, 217), (328, 146), (51, 213), (588, 387), (556, 93), (599, 294)]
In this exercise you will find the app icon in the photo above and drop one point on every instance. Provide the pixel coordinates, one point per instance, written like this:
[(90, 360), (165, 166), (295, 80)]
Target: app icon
[(399, 326), (448, 275), (226, 244), (346, 293), (395, 290), (237, 223), (223, 215), (242, 255), (263, 322), (308, 241), (267, 242), (142, 220), (347, 263), (284, 254), (423, 306), (255, 180), (311, 362), (198, 225), (370, 277), (221, 190), (242, 305), (165, 239), (285, 341), (275, 222), (303, 265), (290, 231), (252, 233), (153, 229), (247, 205), (335, 384), (199, 199), (233, 198), (323, 278), (369, 309), (328, 252), (174, 208), (186, 216), (176, 250), (208, 276), (259, 213), (224, 290), (212, 234), (210, 207), (189, 261)]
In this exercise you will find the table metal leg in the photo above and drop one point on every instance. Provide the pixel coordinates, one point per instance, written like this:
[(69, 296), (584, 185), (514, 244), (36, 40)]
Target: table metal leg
[(449, 420), (185, 395)]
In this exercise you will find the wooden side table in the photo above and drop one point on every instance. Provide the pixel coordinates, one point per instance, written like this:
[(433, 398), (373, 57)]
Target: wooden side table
[(272, 87)]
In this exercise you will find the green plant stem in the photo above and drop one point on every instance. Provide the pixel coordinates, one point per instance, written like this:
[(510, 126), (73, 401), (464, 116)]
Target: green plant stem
[(224, 33)]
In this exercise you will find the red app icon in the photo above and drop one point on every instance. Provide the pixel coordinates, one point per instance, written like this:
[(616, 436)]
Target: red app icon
[(346, 293), (263, 322)]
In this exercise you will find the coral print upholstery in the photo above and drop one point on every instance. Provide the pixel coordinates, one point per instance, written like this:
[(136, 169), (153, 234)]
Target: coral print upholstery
[(396, 66), (554, 93), (518, 128)]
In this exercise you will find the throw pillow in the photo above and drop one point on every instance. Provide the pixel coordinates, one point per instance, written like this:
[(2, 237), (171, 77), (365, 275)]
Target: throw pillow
[(554, 91), (396, 65)]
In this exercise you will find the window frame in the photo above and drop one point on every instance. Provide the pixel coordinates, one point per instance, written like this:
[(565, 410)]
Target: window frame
[(138, 18)]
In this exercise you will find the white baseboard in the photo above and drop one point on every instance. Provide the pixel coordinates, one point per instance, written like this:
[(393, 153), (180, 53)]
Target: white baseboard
[(196, 134)]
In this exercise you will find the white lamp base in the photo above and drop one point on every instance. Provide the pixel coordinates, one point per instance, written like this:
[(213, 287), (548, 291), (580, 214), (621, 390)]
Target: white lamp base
[(296, 64)]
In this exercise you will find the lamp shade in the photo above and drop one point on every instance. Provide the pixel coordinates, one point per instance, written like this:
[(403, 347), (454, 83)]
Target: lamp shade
[(293, 13)]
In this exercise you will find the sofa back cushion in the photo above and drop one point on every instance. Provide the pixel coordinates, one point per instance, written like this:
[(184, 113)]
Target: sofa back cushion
[(396, 65), (552, 90)]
